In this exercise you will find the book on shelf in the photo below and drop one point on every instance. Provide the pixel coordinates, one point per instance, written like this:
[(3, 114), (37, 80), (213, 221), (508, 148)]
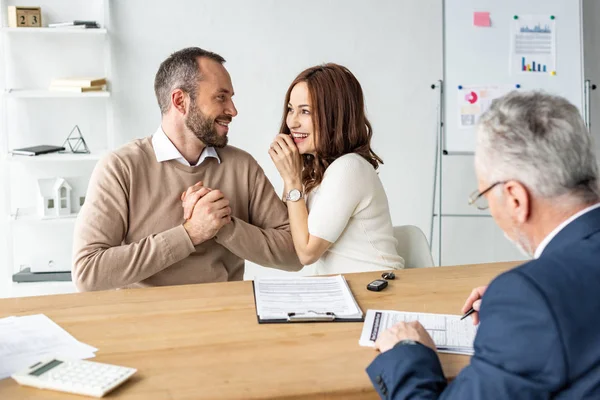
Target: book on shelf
[(37, 150), (69, 27), (78, 24), (81, 82), (76, 89)]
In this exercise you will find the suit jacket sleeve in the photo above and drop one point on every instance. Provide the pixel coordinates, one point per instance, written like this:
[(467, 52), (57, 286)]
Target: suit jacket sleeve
[(266, 238), (518, 353)]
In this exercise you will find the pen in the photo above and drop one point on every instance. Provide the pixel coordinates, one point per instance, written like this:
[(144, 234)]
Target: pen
[(471, 311)]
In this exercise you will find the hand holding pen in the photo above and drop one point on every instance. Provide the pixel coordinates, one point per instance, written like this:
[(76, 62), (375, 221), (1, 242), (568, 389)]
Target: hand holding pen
[(473, 304)]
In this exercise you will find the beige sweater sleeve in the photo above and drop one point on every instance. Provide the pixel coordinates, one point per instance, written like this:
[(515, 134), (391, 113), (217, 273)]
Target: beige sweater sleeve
[(266, 238), (100, 259)]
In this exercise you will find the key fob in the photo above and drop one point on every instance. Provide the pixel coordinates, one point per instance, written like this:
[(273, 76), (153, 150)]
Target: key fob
[(377, 285)]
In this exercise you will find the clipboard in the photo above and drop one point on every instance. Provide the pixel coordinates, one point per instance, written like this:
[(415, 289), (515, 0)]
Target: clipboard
[(310, 315)]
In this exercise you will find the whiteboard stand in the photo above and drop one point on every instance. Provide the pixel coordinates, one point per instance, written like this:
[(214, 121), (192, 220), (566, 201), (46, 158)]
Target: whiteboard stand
[(437, 171), (587, 101), (440, 152)]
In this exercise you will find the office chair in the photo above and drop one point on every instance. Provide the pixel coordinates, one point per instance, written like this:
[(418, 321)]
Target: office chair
[(413, 247)]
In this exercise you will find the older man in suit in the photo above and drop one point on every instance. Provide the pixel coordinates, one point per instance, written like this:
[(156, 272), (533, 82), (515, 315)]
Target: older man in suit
[(539, 333)]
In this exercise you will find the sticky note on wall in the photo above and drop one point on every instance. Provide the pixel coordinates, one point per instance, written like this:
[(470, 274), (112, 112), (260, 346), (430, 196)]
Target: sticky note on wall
[(481, 18)]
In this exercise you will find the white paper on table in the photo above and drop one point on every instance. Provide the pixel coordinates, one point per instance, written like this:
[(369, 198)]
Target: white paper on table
[(26, 340), (449, 333)]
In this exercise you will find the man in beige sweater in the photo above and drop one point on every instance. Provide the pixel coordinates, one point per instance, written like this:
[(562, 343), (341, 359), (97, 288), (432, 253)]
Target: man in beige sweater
[(131, 231)]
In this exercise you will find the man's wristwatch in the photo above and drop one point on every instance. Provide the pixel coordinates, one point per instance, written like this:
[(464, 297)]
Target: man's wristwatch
[(407, 342), (293, 195)]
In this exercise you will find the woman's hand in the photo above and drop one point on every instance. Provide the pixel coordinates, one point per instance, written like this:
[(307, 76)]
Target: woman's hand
[(288, 160)]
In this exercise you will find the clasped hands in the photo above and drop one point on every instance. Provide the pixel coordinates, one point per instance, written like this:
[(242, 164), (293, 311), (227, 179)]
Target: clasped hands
[(205, 212)]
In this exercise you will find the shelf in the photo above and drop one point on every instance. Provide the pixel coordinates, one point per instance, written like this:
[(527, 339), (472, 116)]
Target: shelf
[(26, 276), (49, 94), (37, 289), (31, 215), (54, 31), (37, 218), (56, 157)]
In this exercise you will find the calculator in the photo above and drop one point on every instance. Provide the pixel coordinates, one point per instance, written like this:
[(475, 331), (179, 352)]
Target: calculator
[(74, 376)]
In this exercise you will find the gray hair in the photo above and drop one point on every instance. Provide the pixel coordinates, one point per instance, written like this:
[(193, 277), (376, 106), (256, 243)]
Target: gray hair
[(540, 140), (180, 71)]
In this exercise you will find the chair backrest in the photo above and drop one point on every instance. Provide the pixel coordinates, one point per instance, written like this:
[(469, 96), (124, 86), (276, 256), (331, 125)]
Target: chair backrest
[(413, 247)]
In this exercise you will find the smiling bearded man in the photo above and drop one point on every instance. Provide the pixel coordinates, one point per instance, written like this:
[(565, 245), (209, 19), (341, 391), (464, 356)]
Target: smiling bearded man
[(132, 230)]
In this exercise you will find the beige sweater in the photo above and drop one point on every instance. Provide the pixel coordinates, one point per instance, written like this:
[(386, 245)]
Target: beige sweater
[(130, 230)]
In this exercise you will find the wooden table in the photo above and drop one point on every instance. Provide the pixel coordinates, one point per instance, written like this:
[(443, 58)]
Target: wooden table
[(203, 341)]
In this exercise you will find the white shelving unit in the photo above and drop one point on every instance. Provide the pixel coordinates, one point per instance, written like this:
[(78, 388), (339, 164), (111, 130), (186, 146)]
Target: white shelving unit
[(30, 214), (55, 31), (50, 94), (56, 157), (37, 289), (58, 57)]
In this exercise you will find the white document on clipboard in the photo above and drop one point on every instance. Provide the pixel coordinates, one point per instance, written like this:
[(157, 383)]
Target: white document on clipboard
[(305, 299)]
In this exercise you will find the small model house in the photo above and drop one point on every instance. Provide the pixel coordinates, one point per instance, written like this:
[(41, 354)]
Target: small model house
[(55, 197)]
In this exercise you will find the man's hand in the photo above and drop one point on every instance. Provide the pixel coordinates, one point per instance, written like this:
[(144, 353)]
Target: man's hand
[(190, 197), (402, 331), (474, 300), (209, 215)]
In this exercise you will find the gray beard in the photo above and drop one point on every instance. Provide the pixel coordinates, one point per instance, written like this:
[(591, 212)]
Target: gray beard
[(522, 244)]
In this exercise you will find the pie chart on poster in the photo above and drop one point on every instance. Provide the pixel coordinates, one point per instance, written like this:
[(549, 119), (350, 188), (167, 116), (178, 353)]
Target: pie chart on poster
[(471, 97)]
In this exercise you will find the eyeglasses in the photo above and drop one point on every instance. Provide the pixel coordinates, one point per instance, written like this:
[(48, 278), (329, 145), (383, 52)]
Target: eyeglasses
[(478, 199)]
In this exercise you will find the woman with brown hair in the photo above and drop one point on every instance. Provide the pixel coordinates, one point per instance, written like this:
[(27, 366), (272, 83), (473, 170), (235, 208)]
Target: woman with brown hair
[(324, 157)]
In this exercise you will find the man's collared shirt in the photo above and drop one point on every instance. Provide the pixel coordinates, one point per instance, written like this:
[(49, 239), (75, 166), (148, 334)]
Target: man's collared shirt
[(165, 150)]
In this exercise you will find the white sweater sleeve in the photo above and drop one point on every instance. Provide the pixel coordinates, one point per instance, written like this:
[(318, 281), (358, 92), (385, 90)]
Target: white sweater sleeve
[(340, 196)]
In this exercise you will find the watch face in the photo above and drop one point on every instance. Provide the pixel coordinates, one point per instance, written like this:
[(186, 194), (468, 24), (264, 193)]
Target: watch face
[(407, 342), (294, 195)]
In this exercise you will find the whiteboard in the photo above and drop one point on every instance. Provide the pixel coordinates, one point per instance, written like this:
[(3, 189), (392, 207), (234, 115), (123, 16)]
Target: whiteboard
[(479, 57)]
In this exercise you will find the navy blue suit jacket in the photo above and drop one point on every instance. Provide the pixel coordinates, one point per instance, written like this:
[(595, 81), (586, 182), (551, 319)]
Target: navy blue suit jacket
[(539, 335)]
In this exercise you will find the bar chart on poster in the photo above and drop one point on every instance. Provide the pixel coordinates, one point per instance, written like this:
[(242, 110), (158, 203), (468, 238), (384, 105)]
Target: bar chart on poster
[(530, 66), (533, 40)]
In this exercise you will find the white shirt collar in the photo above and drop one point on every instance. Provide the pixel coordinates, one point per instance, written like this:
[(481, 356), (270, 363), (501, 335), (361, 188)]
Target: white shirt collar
[(165, 150), (551, 235)]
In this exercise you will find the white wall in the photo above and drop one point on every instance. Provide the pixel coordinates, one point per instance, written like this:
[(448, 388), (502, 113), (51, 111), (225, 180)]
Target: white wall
[(393, 47)]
